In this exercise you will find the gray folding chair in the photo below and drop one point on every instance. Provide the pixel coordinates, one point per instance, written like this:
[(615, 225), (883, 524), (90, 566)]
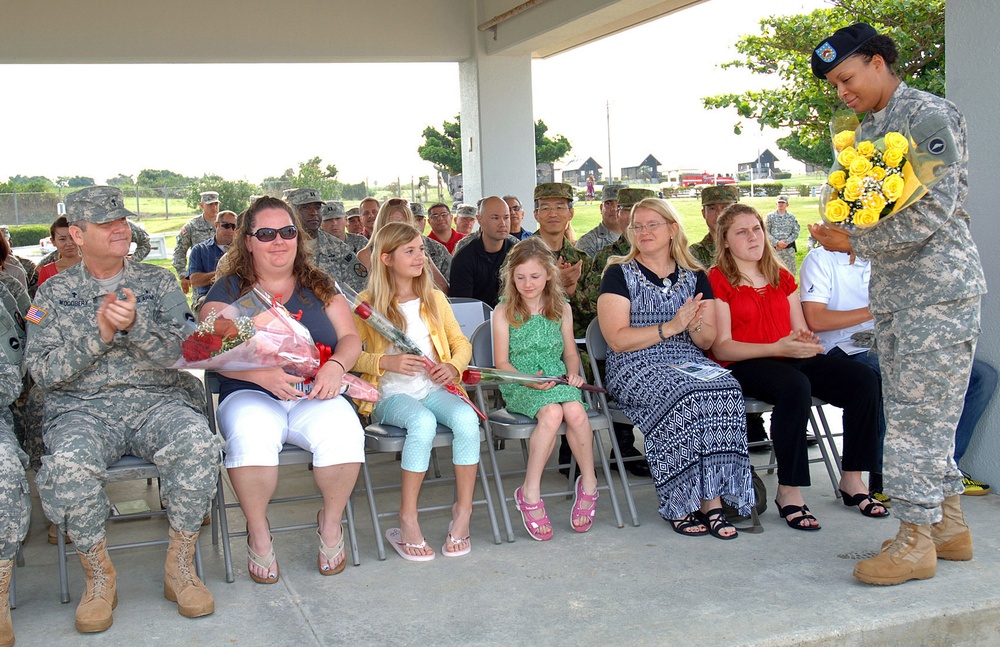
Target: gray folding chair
[(289, 455), (501, 423), (470, 313)]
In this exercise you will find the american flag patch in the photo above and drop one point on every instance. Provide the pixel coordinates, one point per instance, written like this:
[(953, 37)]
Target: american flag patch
[(35, 315)]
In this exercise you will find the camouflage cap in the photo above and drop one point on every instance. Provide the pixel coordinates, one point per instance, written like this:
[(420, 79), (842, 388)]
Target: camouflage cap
[(418, 210), (783, 198), (628, 198), (554, 190), (610, 191), (299, 197), (465, 211), (333, 209), (208, 197), (97, 204), (354, 212), (728, 194)]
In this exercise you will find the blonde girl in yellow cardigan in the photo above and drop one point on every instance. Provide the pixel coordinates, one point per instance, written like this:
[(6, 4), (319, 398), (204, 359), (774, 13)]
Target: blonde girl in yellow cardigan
[(400, 287)]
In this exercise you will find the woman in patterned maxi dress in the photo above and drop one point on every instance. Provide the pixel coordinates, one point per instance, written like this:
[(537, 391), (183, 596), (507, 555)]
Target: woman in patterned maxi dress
[(656, 310)]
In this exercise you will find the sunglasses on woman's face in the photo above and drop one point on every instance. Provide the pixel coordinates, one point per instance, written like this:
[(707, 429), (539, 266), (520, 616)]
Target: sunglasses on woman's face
[(267, 234)]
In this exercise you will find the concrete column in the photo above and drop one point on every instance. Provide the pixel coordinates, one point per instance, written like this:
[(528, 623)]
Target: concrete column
[(973, 79), (498, 132)]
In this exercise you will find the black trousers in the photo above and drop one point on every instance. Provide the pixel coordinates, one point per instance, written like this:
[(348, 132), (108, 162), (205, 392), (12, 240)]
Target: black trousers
[(789, 385)]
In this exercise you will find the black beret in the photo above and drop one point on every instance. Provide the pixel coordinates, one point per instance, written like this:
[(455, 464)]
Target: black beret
[(844, 42)]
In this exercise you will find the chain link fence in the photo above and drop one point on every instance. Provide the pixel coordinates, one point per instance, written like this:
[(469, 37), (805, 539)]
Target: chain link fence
[(43, 208)]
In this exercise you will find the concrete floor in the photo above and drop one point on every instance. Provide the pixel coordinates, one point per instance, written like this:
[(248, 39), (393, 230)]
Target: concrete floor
[(640, 585)]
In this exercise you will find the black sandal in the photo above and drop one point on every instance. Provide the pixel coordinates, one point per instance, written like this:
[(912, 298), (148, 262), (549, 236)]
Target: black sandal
[(716, 522), (857, 499), (788, 510), (681, 525)]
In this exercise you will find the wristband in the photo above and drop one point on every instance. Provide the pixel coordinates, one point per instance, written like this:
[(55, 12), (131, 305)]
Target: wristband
[(339, 363), (659, 329)]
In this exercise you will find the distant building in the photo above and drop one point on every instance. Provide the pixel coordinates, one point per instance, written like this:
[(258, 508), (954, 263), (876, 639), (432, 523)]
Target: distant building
[(762, 167), (576, 171), (647, 170)]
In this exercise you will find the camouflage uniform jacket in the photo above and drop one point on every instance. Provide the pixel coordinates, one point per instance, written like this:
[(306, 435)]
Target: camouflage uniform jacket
[(596, 239), (583, 310), (77, 370), (438, 253), (356, 242), (591, 283), (339, 260), (704, 251), (30, 273), (924, 254), (15, 498), (196, 230)]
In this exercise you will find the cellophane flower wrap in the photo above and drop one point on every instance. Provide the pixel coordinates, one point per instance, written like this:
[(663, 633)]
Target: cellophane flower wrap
[(490, 376), (258, 332), (381, 324), (872, 179)]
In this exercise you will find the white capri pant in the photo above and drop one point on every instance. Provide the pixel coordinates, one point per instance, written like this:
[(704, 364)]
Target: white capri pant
[(255, 426)]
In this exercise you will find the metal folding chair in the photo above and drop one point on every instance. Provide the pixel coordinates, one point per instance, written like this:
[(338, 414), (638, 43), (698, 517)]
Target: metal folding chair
[(470, 313)]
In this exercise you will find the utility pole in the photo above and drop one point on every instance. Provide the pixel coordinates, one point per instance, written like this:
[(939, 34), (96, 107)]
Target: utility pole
[(611, 172)]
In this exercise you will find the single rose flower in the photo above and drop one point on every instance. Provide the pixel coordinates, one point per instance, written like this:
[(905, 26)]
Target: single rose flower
[(873, 200), (892, 188), (847, 156), (896, 142), (837, 179), (864, 218), (837, 211), (843, 139), (471, 377), (363, 310), (866, 149), (860, 166), (877, 173), (225, 327), (853, 189), (892, 158)]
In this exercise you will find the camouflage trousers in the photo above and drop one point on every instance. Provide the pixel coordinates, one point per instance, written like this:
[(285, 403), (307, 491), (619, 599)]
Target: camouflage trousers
[(925, 357), (15, 497), (81, 445)]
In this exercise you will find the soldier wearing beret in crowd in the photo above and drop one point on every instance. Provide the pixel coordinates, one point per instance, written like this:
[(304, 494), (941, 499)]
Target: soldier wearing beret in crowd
[(99, 335), (925, 291), (608, 230), (196, 230)]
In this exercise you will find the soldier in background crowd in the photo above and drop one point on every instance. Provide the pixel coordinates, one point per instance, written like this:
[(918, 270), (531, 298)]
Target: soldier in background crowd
[(516, 216), (465, 218), (354, 224), (332, 255), (334, 223), (441, 230), (98, 337), (369, 211), (30, 269), (419, 216), (608, 230), (782, 231), (196, 230), (714, 200)]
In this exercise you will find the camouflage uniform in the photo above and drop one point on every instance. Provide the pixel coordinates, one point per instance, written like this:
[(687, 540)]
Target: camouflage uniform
[(196, 230), (30, 273), (356, 242), (106, 400), (139, 237), (600, 236), (704, 250), (439, 255), (339, 260), (15, 497), (925, 290), (783, 226), (27, 405)]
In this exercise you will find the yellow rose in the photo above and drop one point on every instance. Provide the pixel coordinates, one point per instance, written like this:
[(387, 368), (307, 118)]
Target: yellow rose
[(847, 156), (837, 179), (860, 167), (873, 200), (843, 139), (837, 211), (896, 142), (866, 149), (877, 173), (853, 189), (892, 188), (892, 158), (864, 218)]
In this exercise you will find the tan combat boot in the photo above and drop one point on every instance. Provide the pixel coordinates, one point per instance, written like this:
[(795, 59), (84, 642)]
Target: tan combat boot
[(951, 536), (100, 596), (180, 584), (910, 556), (6, 628)]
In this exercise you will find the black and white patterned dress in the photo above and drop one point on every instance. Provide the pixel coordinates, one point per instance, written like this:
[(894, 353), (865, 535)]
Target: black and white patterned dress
[(695, 431)]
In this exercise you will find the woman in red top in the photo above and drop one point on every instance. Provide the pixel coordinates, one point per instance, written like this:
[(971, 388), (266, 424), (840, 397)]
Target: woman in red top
[(69, 253), (763, 339)]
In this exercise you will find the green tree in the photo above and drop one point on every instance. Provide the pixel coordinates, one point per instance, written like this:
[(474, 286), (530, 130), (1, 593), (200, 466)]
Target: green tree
[(313, 174), (803, 104), (161, 178), (32, 180), (443, 148), (75, 181), (121, 180), (234, 195)]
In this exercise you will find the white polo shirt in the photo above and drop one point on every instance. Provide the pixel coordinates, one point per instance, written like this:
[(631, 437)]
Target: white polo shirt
[(830, 278)]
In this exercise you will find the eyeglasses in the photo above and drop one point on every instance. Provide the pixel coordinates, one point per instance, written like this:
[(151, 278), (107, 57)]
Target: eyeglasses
[(548, 208), (517, 208), (440, 214), (651, 227), (267, 234), (228, 225)]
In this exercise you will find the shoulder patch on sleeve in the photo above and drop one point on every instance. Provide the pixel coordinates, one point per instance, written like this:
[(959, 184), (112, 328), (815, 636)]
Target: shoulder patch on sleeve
[(35, 315)]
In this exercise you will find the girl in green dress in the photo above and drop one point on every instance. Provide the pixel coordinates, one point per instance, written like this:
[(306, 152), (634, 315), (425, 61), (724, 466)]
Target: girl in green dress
[(533, 333)]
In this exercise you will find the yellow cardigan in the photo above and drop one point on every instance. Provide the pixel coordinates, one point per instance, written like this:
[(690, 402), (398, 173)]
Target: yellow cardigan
[(451, 346)]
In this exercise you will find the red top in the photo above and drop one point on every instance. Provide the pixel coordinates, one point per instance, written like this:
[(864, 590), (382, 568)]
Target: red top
[(757, 316), (450, 245), (46, 272)]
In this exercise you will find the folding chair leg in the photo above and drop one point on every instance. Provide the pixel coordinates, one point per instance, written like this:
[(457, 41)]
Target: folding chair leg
[(623, 475), (607, 477), (489, 503), (63, 576), (501, 493), (829, 439), (12, 587), (352, 532), (825, 451), (437, 466), (379, 543), (223, 522), (197, 560)]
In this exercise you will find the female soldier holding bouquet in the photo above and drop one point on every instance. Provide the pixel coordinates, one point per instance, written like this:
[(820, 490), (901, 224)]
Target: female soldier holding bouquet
[(925, 291)]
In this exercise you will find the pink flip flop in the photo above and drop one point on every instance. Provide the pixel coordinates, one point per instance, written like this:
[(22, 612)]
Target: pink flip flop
[(395, 538), (452, 542), (579, 512), (532, 524)]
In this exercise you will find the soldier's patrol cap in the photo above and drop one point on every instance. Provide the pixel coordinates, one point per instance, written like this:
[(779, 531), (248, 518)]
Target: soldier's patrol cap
[(610, 192), (554, 190), (299, 197), (719, 195), (844, 42), (418, 210), (465, 211), (354, 212), (97, 204), (783, 198), (333, 209), (628, 198), (208, 197)]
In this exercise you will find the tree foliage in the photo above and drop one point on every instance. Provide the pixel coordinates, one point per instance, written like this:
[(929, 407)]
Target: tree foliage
[(443, 148), (804, 104), (234, 195), (121, 180), (314, 174), (30, 180), (157, 178), (75, 181)]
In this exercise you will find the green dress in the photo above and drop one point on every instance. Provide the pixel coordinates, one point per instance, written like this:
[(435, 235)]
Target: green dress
[(537, 346)]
